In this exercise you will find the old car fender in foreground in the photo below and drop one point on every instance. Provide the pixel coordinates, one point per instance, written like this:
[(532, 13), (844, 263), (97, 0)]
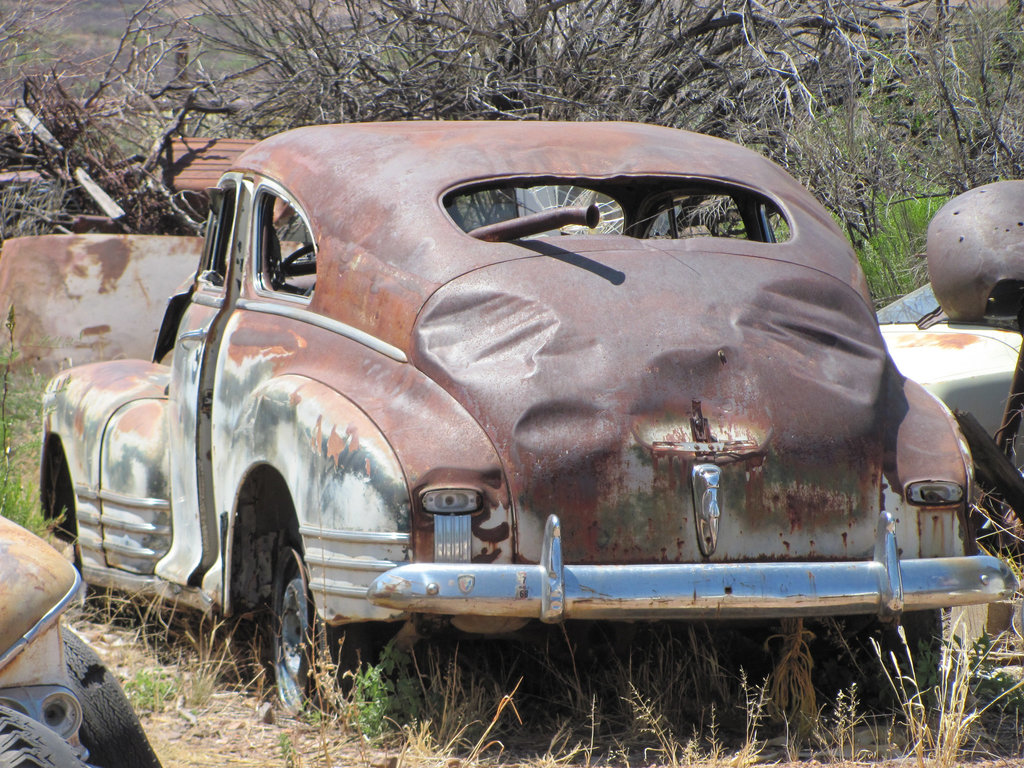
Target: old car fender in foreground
[(38, 586)]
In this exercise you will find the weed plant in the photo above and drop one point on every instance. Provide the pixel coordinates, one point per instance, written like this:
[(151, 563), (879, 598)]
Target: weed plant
[(19, 407), (890, 256)]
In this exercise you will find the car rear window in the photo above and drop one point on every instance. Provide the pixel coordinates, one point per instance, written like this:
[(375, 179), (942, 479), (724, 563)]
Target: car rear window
[(649, 208)]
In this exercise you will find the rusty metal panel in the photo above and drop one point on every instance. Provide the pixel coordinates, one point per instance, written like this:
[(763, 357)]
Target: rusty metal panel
[(36, 578), (85, 298), (134, 486), (593, 410), (77, 406), (352, 495), (968, 367), (196, 164), (975, 241)]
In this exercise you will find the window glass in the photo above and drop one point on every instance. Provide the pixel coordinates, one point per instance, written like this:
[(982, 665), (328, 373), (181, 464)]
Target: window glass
[(490, 206), (647, 207), (287, 253), (910, 308)]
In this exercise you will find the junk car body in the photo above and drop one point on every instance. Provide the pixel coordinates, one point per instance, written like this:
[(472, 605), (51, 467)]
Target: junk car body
[(58, 703), (39, 586), (959, 335), (500, 372), (968, 365)]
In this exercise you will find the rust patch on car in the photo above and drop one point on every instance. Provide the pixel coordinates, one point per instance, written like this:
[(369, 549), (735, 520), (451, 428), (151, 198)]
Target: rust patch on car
[(87, 298), (936, 340)]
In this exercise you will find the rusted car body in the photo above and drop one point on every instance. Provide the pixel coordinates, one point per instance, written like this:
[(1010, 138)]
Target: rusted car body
[(960, 335), (498, 372), (968, 365), (38, 587), (58, 703), (84, 298)]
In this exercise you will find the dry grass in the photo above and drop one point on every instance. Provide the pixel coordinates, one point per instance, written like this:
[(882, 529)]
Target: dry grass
[(543, 706)]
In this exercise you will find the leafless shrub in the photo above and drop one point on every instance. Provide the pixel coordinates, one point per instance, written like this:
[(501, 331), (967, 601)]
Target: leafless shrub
[(867, 103), (703, 65)]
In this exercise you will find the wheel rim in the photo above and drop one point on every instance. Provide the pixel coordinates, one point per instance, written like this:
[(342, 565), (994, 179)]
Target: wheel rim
[(291, 665)]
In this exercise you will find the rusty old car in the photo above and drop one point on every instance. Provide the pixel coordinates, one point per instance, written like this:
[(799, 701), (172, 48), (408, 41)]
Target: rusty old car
[(487, 374), (960, 335), (59, 705)]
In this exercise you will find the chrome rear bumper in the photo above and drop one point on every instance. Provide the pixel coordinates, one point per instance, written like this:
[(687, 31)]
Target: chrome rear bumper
[(553, 591)]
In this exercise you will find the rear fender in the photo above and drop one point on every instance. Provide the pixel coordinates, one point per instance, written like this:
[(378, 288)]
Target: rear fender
[(349, 491), (926, 445)]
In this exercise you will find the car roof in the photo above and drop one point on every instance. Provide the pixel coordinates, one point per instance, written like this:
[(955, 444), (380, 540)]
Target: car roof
[(374, 196)]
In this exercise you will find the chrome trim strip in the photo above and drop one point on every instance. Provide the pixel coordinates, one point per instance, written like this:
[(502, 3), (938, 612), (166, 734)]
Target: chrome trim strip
[(325, 588), (303, 315), (697, 590), (135, 527), (141, 553), (214, 302), (86, 492), (88, 516), (453, 538), (355, 537), (43, 624), (328, 561), (134, 501)]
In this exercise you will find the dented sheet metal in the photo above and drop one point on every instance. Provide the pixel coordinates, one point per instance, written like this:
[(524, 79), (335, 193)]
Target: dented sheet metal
[(975, 242), (594, 408), (83, 298)]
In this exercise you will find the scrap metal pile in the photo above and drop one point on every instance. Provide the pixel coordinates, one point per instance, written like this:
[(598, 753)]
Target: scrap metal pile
[(63, 171)]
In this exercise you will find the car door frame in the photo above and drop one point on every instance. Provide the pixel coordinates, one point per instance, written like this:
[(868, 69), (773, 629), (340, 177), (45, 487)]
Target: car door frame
[(193, 364)]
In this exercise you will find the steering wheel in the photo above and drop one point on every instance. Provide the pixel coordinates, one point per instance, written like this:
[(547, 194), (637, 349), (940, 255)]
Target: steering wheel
[(290, 265)]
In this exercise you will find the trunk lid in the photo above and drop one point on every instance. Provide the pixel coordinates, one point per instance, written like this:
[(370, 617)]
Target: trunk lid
[(604, 376)]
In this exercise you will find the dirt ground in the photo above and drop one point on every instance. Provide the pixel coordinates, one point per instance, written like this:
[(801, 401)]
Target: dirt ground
[(242, 725)]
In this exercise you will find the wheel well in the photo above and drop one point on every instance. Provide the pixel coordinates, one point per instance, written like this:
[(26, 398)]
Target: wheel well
[(265, 522), (56, 491)]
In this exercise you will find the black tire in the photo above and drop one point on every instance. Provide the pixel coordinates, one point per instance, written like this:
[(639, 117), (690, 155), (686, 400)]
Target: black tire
[(110, 730), (923, 631), (26, 743), (292, 627), (58, 497)]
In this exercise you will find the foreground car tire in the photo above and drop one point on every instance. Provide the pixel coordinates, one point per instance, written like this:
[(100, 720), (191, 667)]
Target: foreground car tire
[(25, 743), (293, 629), (110, 729)]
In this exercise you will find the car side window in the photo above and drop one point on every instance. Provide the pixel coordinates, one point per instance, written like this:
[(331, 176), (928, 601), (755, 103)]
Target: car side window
[(213, 268), (286, 253)]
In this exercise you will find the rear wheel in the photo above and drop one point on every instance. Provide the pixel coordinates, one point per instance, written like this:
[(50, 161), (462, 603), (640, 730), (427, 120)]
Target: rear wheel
[(293, 629)]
